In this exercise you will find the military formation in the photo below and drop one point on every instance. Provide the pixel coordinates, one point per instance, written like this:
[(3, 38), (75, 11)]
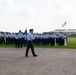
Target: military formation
[(20, 39), (50, 39)]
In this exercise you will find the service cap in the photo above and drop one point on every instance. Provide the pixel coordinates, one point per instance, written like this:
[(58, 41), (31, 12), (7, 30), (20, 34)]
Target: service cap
[(30, 29)]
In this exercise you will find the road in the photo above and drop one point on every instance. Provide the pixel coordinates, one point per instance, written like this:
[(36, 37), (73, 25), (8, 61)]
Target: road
[(49, 62)]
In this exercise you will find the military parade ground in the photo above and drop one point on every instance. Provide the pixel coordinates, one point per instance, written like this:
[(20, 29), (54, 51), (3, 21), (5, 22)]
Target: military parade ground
[(50, 61), (54, 57)]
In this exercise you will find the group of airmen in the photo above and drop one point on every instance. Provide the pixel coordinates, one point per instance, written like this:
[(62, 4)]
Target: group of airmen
[(50, 39), (20, 39)]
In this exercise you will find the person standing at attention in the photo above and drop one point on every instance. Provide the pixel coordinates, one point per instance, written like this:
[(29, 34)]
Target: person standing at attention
[(30, 44)]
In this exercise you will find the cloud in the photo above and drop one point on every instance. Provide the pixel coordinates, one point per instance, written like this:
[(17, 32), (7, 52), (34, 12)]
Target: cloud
[(61, 11), (8, 5), (42, 16), (15, 17)]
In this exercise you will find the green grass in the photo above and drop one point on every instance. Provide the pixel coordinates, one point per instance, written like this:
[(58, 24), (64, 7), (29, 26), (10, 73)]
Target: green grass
[(8, 46), (71, 45)]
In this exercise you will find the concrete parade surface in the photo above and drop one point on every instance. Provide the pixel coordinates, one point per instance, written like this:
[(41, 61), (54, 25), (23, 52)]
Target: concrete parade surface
[(49, 62)]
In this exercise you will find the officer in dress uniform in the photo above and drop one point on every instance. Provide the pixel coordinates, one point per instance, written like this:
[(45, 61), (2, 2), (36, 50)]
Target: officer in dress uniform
[(30, 44), (24, 39), (60, 35), (16, 40), (53, 39), (0, 37), (7, 37), (43, 40), (20, 36), (3, 41)]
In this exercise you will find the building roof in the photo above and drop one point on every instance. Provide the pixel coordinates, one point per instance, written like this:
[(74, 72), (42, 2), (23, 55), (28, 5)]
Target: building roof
[(65, 30)]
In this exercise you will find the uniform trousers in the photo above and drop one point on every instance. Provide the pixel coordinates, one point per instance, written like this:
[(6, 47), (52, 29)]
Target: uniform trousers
[(30, 45)]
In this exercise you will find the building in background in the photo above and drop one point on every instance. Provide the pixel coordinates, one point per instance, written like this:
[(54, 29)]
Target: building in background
[(68, 32)]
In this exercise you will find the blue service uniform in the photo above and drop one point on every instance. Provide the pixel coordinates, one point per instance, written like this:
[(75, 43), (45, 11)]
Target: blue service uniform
[(53, 36), (60, 35), (7, 38), (16, 40), (30, 45), (24, 39), (0, 37), (20, 36)]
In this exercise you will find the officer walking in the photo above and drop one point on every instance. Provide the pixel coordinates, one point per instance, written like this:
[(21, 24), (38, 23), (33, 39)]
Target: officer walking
[(30, 44)]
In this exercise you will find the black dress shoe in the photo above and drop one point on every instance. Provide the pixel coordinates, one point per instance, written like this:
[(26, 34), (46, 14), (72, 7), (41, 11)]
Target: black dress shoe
[(35, 55), (26, 55)]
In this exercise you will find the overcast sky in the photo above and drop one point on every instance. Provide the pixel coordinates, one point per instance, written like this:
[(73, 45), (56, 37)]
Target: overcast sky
[(41, 15)]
